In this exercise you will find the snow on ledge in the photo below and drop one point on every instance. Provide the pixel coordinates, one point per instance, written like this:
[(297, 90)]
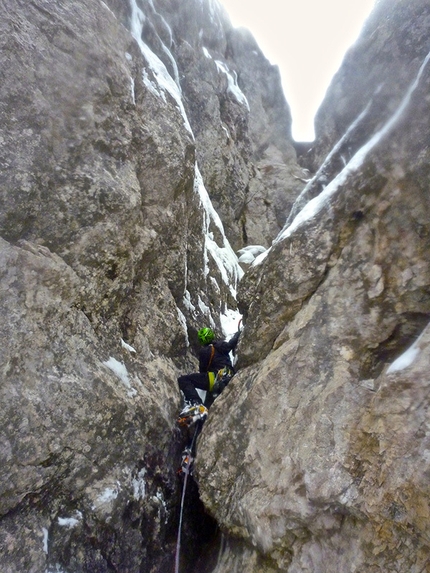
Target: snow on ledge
[(408, 357), (163, 80), (121, 372), (128, 347), (315, 205), (232, 88), (70, 522), (224, 256)]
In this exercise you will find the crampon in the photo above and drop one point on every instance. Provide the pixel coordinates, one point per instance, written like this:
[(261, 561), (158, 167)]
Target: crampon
[(186, 463), (192, 415)]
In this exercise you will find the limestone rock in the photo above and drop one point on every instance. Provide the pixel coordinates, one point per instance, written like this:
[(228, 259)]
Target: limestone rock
[(111, 257), (371, 81), (126, 128), (238, 114), (315, 458)]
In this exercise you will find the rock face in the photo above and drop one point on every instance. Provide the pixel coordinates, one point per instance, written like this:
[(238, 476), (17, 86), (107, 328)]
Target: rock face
[(108, 235), (238, 113), (327, 419), (139, 141)]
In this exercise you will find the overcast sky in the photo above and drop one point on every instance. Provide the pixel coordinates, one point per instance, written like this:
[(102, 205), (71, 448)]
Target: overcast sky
[(307, 39)]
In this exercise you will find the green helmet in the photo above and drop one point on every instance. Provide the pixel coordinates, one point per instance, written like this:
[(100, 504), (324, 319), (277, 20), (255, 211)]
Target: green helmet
[(205, 335)]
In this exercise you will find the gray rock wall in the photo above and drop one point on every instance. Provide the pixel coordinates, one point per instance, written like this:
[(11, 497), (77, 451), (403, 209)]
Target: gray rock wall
[(326, 420), (238, 113), (111, 257), (126, 128)]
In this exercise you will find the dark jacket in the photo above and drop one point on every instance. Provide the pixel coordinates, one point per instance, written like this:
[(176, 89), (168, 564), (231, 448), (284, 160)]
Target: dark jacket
[(220, 355)]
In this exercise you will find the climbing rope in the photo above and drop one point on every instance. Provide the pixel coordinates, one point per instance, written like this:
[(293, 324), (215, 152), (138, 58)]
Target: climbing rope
[(184, 489)]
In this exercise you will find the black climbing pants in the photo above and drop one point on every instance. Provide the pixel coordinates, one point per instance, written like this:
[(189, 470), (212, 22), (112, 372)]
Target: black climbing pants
[(189, 383)]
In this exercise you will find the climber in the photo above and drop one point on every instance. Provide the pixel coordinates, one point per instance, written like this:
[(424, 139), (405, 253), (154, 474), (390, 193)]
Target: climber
[(215, 371)]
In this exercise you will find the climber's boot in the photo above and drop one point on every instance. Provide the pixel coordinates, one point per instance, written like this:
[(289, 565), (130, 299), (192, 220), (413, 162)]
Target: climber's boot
[(191, 414)]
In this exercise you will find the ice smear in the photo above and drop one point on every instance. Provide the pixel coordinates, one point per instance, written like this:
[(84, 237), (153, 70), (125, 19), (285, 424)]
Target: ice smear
[(224, 256), (127, 347), (232, 88), (45, 540), (314, 206), (165, 83), (70, 522), (120, 370), (139, 485), (408, 357)]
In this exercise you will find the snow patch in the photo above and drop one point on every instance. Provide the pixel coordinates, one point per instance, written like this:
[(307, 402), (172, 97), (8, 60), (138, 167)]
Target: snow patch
[(152, 86), (232, 88), (315, 205), (258, 260), (108, 495), (187, 302), (55, 569), (206, 53), (127, 347), (407, 358), (226, 131), (229, 320), (203, 307), (159, 498), (163, 83), (132, 91), (223, 256), (121, 372), (45, 540), (139, 485), (174, 66), (248, 254), (183, 323), (107, 8), (202, 394), (215, 285), (70, 522)]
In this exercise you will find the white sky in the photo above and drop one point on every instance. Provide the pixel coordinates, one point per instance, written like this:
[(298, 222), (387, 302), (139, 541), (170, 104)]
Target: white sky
[(307, 39)]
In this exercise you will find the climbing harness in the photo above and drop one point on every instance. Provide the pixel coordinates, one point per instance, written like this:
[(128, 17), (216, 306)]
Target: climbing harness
[(221, 380), (186, 472)]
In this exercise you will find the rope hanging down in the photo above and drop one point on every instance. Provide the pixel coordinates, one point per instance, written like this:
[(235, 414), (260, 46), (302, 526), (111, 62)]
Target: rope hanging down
[(184, 489)]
